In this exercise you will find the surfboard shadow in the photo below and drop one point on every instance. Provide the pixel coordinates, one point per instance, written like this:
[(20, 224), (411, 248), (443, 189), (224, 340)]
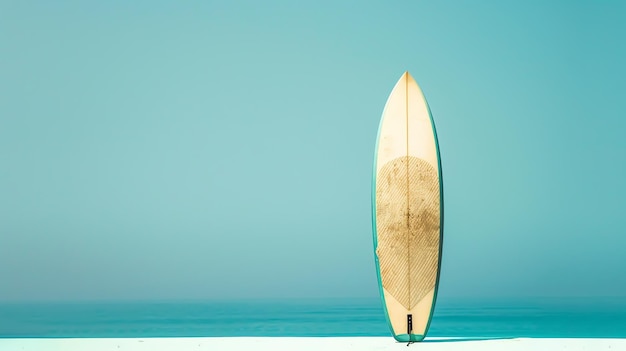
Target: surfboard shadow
[(465, 339)]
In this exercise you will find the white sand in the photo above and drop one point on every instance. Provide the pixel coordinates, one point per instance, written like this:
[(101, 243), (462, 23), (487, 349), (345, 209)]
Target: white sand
[(308, 344)]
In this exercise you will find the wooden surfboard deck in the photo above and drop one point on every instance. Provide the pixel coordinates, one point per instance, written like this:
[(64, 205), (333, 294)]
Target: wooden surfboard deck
[(407, 203)]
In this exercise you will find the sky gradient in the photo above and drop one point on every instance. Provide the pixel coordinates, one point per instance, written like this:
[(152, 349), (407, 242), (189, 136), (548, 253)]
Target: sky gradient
[(200, 150)]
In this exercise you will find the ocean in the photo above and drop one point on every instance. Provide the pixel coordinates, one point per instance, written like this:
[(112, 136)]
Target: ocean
[(311, 317)]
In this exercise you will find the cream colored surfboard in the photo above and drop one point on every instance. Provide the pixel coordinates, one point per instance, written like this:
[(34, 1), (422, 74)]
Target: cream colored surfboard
[(407, 199)]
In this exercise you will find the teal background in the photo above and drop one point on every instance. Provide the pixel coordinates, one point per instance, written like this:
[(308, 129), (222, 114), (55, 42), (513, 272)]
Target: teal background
[(191, 150)]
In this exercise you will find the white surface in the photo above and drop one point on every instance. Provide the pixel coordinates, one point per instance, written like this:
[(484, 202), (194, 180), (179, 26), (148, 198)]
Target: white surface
[(309, 344)]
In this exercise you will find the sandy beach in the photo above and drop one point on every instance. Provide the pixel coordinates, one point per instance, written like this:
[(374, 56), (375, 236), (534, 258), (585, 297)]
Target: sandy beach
[(308, 344)]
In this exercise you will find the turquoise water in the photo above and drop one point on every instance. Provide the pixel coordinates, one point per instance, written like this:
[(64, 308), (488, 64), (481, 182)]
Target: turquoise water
[(329, 317)]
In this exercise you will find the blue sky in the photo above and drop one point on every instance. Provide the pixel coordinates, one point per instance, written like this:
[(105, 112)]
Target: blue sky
[(191, 150)]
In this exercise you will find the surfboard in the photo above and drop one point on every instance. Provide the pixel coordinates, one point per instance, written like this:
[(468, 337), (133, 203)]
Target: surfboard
[(407, 211)]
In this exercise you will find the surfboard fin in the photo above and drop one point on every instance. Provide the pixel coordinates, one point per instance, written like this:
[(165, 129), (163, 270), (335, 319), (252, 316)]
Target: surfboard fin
[(409, 327), (409, 324)]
